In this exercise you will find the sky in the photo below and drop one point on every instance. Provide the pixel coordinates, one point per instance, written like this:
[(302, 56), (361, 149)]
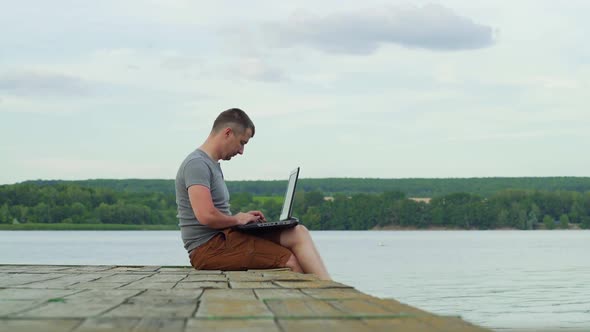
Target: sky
[(373, 89)]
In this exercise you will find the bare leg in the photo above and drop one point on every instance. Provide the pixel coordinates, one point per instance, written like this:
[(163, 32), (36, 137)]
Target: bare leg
[(293, 264), (299, 241)]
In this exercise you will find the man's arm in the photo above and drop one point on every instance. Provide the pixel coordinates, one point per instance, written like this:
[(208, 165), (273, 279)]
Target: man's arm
[(208, 215)]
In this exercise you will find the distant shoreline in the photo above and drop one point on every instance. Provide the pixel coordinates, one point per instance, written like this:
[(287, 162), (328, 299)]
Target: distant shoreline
[(85, 227), (125, 227), (432, 228)]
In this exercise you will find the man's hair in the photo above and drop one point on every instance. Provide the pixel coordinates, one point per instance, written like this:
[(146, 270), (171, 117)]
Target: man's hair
[(234, 118)]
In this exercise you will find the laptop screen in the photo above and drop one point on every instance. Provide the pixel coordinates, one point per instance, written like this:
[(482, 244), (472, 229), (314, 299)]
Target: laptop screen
[(288, 204)]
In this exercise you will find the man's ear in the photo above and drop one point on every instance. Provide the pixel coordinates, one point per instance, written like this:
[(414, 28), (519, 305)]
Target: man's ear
[(227, 131)]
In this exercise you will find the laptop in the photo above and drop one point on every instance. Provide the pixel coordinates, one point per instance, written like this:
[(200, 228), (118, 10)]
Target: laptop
[(285, 219)]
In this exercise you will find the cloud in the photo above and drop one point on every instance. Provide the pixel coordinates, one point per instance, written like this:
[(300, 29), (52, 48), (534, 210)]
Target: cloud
[(178, 62), (81, 168), (258, 70), (31, 83), (431, 27), (551, 82)]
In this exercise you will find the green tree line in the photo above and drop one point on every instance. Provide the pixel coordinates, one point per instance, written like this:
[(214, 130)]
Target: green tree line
[(73, 204), (331, 186), (519, 209), (522, 209)]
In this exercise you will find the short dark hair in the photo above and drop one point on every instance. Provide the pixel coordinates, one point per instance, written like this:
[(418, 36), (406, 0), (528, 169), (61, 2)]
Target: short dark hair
[(233, 117)]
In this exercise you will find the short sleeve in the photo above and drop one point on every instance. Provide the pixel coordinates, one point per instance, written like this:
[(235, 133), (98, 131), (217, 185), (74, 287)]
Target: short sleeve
[(196, 171)]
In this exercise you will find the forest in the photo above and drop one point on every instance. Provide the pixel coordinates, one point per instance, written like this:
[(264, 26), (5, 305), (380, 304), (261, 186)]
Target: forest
[(330, 186), (547, 205)]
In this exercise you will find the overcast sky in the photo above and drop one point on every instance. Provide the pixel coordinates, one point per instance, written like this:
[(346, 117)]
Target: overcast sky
[(389, 89)]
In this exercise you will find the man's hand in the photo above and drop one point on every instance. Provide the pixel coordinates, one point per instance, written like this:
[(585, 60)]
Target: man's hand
[(258, 214), (244, 218)]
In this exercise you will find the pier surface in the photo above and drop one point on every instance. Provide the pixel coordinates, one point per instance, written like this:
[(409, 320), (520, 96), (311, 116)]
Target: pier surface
[(155, 298)]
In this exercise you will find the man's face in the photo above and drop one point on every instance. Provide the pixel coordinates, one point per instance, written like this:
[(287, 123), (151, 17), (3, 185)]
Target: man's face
[(235, 143)]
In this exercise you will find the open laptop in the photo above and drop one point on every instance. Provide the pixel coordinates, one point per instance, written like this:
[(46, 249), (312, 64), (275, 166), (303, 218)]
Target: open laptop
[(285, 220)]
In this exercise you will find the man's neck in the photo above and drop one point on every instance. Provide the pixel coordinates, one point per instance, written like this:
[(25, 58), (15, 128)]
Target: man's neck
[(207, 147)]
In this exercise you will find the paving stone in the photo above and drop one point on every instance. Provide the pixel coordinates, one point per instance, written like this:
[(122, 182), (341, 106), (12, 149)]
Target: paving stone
[(166, 277), (288, 275), (62, 282), (233, 325), (132, 324), (173, 293), (45, 325), (206, 277), (149, 285), (80, 305), (11, 307), (193, 271), (280, 293), (250, 278), (97, 285), (36, 269), (160, 325), (449, 324), (398, 307), (228, 294), (123, 277), (203, 284), (223, 309), (361, 308), (176, 269), (231, 303), (303, 308), (70, 310), (19, 279), (246, 276), (90, 295), (340, 325), (13, 269), (89, 268), (419, 324), (335, 293), (252, 284), (311, 284), (102, 324), (270, 270), (136, 268), (33, 294), (406, 324), (156, 307)]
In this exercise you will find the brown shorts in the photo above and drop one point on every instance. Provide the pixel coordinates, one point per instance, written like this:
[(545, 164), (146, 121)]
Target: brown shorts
[(234, 250)]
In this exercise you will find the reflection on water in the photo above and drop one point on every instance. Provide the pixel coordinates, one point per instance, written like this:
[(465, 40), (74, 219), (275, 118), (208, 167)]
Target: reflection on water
[(497, 279)]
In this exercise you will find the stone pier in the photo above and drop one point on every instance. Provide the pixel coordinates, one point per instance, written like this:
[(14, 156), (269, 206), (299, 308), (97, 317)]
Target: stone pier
[(161, 298)]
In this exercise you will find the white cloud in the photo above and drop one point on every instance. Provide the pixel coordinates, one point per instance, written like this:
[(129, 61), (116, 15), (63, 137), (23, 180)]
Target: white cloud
[(432, 27), (40, 83), (22, 105), (552, 82), (258, 70)]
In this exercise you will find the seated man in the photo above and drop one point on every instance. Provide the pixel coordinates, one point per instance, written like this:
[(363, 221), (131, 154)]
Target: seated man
[(206, 221)]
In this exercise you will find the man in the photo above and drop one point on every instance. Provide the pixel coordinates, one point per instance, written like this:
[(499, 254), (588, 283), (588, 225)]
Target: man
[(206, 221)]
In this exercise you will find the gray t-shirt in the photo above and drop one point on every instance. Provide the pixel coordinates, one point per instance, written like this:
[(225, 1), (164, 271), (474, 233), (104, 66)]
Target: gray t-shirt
[(199, 169)]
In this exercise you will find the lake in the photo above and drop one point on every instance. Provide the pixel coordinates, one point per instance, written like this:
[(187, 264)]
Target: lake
[(503, 280)]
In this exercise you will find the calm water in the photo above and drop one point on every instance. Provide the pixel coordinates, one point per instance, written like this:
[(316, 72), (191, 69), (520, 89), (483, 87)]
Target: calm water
[(498, 279)]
